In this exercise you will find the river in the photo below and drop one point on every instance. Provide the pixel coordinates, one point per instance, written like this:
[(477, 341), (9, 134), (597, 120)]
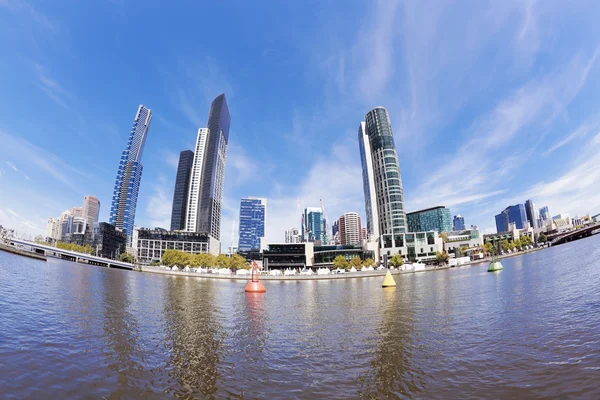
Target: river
[(70, 330)]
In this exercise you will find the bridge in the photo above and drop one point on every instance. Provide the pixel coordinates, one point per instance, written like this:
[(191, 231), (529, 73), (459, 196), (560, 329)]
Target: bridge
[(574, 235), (69, 255)]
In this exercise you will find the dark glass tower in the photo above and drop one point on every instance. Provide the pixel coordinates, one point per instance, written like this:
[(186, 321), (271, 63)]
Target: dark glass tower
[(181, 193), (129, 174), (213, 169), (253, 212)]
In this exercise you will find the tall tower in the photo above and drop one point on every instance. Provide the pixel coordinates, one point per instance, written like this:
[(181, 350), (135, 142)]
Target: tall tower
[(91, 210), (129, 174), (181, 192), (350, 228), (253, 217), (195, 185), (382, 184)]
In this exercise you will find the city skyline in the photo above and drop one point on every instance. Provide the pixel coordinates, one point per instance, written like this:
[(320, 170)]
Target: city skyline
[(308, 142)]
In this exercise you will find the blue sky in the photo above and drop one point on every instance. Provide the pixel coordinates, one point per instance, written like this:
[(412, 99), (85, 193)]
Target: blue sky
[(491, 103)]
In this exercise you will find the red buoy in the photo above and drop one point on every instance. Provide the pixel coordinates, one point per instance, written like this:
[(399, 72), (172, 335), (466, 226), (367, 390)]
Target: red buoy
[(255, 286)]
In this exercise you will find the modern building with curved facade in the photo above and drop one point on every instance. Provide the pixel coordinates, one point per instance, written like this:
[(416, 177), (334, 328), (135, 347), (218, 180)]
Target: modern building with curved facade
[(129, 174)]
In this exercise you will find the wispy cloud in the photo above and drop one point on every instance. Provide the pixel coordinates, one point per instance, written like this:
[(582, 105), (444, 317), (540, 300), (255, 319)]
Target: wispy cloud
[(42, 159), (160, 203), (23, 6), (12, 166), (51, 87), (23, 223)]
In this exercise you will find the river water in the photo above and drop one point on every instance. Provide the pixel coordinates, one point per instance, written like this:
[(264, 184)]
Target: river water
[(530, 331)]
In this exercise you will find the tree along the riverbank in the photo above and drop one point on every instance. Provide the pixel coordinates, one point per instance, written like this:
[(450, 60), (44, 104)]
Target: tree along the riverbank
[(75, 247), (441, 258), (204, 260), (126, 257), (397, 260)]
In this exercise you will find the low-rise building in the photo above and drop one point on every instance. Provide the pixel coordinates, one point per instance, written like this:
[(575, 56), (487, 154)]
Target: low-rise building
[(512, 234), (417, 246), (324, 255), (289, 255), (149, 245), (469, 238)]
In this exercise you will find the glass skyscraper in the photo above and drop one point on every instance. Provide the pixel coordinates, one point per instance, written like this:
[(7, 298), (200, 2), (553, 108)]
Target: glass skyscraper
[(382, 184), (458, 224), (511, 214), (430, 219), (129, 174), (208, 172), (313, 225), (532, 214), (181, 192), (253, 214)]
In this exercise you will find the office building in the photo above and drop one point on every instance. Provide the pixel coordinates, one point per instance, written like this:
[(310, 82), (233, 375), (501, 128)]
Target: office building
[(181, 192), (293, 236), (77, 212), (350, 228), (53, 230), (253, 217), (511, 215), (149, 245), (108, 241), (458, 223), (91, 210), (532, 214), (129, 174), (192, 219), (384, 198), (465, 238), (313, 225), (66, 219), (430, 219), (364, 234)]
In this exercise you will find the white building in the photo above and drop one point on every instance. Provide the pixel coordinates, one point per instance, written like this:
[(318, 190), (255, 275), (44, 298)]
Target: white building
[(350, 228), (53, 229), (293, 236), (193, 203), (470, 239)]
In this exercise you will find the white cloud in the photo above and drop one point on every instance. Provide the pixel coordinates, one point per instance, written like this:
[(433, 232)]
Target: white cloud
[(12, 165), (51, 87), (160, 203)]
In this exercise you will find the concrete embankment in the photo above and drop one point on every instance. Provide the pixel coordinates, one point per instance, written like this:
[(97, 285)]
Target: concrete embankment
[(21, 252), (349, 275)]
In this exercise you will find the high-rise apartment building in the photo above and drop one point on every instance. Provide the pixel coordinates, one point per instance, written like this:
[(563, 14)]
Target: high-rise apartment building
[(181, 192), (253, 216), (129, 174), (458, 223), (66, 221), (53, 229), (431, 219), (91, 210), (77, 212), (532, 214), (511, 215), (313, 225), (204, 206), (382, 184), (293, 236), (350, 228)]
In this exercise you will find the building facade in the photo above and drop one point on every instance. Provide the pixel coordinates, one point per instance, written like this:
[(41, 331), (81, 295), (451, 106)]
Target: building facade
[(431, 219), (91, 210), (532, 214), (108, 241), (466, 238), (149, 245), (192, 219), (350, 228), (293, 236), (458, 223), (129, 174), (253, 219), (53, 230), (181, 191), (313, 225), (511, 215), (66, 220), (368, 176)]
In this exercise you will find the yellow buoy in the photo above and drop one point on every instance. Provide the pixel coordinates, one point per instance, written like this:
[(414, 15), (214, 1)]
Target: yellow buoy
[(388, 281)]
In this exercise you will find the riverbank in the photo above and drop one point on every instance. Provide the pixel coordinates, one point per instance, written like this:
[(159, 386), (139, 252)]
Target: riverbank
[(21, 252), (348, 275)]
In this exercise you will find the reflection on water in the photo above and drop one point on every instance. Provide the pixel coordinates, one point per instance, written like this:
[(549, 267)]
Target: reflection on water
[(69, 331)]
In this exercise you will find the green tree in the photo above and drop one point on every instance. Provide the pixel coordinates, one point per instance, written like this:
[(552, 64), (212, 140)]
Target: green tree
[(526, 240), (441, 258), (369, 262), (169, 257), (542, 238), (238, 262), (222, 261), (397, 260), (462, 250), (488, 248), (340, 262), (127, 258), (356, 262), (505, 245), (518, 244)]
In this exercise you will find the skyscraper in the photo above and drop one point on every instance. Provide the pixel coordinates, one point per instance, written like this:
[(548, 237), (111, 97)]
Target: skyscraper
[(350, 228), (253, 214), (77, 212), (532, 214), (181, 192), (458, 223), (382, 184), (204, 208), (511, 214), (313, 226), (544, 216), (129, 174), (430, 219), (91, 210)]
